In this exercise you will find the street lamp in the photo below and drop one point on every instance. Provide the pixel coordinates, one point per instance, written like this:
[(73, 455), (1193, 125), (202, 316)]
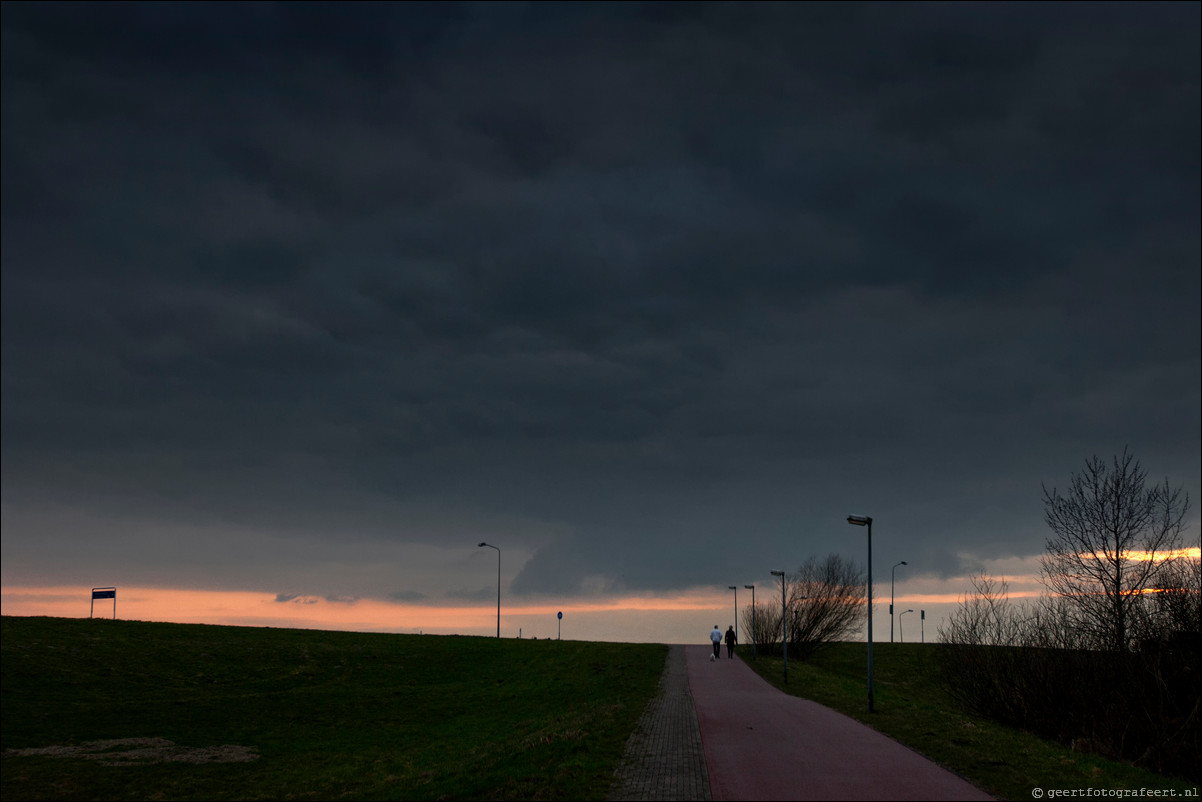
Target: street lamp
[(864, 520), (736, 590), (482, 545), (784, 620), (893, 576), (755, 628), (900, 630)]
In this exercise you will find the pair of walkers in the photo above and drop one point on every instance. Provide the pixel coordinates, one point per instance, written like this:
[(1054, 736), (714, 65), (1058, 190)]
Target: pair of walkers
[(731, 640)]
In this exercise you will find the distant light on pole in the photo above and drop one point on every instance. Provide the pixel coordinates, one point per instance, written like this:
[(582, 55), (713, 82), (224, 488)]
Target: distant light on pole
[(900, 630), (893, 576), (755, 628), (864, 520), (489, 545), (736, 590), (784, 620)]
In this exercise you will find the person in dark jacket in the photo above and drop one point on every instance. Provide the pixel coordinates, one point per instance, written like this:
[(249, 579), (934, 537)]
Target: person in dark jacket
[(731, 640)]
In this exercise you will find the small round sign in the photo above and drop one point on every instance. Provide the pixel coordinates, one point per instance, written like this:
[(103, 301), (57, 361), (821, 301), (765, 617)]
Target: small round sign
[(560, 615)]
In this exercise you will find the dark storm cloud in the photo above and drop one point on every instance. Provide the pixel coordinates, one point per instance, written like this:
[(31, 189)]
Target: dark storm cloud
[(293, 598), (611, 282)]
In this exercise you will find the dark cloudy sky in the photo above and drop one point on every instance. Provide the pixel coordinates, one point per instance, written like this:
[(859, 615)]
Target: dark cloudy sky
[(311, 299)]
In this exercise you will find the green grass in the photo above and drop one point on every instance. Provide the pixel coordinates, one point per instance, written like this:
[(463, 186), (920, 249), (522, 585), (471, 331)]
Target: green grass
[(340, 715), (916, 709), (333, 715)]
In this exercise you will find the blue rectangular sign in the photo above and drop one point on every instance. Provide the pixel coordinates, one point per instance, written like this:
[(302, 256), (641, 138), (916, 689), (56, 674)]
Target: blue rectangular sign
[(104, 594)]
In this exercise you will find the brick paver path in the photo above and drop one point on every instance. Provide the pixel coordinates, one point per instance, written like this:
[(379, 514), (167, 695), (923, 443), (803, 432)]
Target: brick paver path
[(664, 759)]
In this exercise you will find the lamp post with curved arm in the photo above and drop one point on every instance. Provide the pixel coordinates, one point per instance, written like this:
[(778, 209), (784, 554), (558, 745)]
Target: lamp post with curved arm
[(784, 621), (865, 520), (755, 629), (892, 578), (900, 630), (736, 590), (489, 545)]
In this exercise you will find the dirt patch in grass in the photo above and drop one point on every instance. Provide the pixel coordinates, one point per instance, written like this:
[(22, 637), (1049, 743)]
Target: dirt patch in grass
[(142, 752)]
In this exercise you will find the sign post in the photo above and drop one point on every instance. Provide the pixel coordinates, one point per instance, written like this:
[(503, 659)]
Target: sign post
[(560, 631), (103, 593)]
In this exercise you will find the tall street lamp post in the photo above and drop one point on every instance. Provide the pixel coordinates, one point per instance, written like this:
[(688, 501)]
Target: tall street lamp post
[(784, 620), (489, 545), (900, 630), (864, 520), (755, 628), (892, 578), (736, 590)]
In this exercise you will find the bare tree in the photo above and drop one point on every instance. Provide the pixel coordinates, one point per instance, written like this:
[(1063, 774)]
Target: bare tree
[(1113, 538), (827, 600), (984, 618), (762, 625), (1174, 605), (988, 617)]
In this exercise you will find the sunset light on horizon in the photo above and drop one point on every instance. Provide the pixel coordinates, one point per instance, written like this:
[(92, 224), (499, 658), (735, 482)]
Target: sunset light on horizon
[(684, 617), (638, 618), (303, 302)]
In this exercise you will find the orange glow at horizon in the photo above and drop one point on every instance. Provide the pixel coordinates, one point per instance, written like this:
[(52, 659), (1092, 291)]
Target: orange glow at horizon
[(954, 598), (660, 618), (248, 608), (1190, 553)]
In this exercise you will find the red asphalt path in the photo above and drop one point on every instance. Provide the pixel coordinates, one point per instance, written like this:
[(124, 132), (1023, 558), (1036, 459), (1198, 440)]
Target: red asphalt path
[(761, 743)]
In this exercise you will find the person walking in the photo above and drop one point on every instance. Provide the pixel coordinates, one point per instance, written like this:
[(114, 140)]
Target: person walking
[(716, 639), (731, 640)]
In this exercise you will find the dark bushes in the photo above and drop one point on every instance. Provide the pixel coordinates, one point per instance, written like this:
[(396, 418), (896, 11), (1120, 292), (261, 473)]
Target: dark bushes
[(1142, 707), (1018, 666)]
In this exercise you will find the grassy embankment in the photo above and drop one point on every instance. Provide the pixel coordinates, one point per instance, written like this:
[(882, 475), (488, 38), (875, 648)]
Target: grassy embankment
[(332, 715), (915, 708), (336, 715)]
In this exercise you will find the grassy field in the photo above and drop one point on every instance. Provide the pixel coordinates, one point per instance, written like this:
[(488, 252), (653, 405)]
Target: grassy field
[(330, 715), (914, 708), (340, 715)]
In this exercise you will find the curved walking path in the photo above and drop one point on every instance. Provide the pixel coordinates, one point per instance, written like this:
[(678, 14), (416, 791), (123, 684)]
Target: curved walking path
[(760, 743)]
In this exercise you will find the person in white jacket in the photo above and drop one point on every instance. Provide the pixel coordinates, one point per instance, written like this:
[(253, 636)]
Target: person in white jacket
[(716, 637)]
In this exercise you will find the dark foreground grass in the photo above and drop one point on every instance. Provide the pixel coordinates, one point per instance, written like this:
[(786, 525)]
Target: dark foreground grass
[(915, 708), (332, 715)]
